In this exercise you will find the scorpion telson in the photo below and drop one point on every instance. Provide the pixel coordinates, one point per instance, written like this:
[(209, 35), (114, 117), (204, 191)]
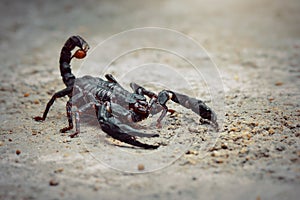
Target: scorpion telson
[(115, 107)]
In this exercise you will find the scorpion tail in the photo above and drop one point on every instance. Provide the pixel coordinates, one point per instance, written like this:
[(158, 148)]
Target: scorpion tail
[(65, 69), (66, 56)]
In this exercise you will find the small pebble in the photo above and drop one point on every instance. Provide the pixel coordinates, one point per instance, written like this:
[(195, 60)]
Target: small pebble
[(53, 182), (1, 143), (248, 135), (18, 152), (191, 161), (141, 167), (34, 132), (236, 77), (271, 99), (219, 161), (280, 147), (215, 154), (233, 129), (271, 131), (36, 101), (258, 198), (59, 170), (224, 145), (66, 155), (279, 83), (26, 95), (66, 140), (192, 152)]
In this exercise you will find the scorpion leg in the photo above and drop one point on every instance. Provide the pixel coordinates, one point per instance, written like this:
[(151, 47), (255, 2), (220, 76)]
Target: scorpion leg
[(70, 120), (142, 91), (110, 78), (77, 118), (123, 116), (58, 94), (77, 124), (69, 115), (114, 128), (196, 105)]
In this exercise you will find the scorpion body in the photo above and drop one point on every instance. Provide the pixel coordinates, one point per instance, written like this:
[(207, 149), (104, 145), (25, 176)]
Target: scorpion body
[(115, 107)]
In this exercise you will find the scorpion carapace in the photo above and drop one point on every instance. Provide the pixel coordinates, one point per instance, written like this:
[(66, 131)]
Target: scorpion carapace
[(116, 108)]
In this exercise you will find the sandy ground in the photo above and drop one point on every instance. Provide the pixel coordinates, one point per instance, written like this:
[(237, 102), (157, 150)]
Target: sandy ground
[(256, 154)]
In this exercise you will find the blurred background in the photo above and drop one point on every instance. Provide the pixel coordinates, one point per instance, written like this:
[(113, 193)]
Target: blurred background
[(216, 24), (29, 30)]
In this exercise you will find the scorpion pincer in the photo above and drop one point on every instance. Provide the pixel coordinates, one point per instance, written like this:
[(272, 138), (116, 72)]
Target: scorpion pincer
[(115, 107)]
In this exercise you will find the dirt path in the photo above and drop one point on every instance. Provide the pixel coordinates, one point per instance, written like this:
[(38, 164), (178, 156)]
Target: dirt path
[(256, 155)]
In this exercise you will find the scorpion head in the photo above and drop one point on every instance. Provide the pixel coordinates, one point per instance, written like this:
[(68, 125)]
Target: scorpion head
[(139, 105)]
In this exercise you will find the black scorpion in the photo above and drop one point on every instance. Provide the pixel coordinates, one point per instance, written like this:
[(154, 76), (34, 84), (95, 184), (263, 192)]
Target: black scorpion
[(115, 107)]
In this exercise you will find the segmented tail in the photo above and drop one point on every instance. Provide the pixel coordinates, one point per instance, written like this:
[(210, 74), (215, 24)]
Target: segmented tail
[(66, 56)]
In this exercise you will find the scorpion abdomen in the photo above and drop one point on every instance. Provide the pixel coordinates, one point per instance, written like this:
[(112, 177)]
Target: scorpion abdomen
[(88, 86)]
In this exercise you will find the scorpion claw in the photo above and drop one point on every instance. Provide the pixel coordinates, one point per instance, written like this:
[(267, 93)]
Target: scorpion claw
[(155, 135), (122, 132), (196, 105)]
